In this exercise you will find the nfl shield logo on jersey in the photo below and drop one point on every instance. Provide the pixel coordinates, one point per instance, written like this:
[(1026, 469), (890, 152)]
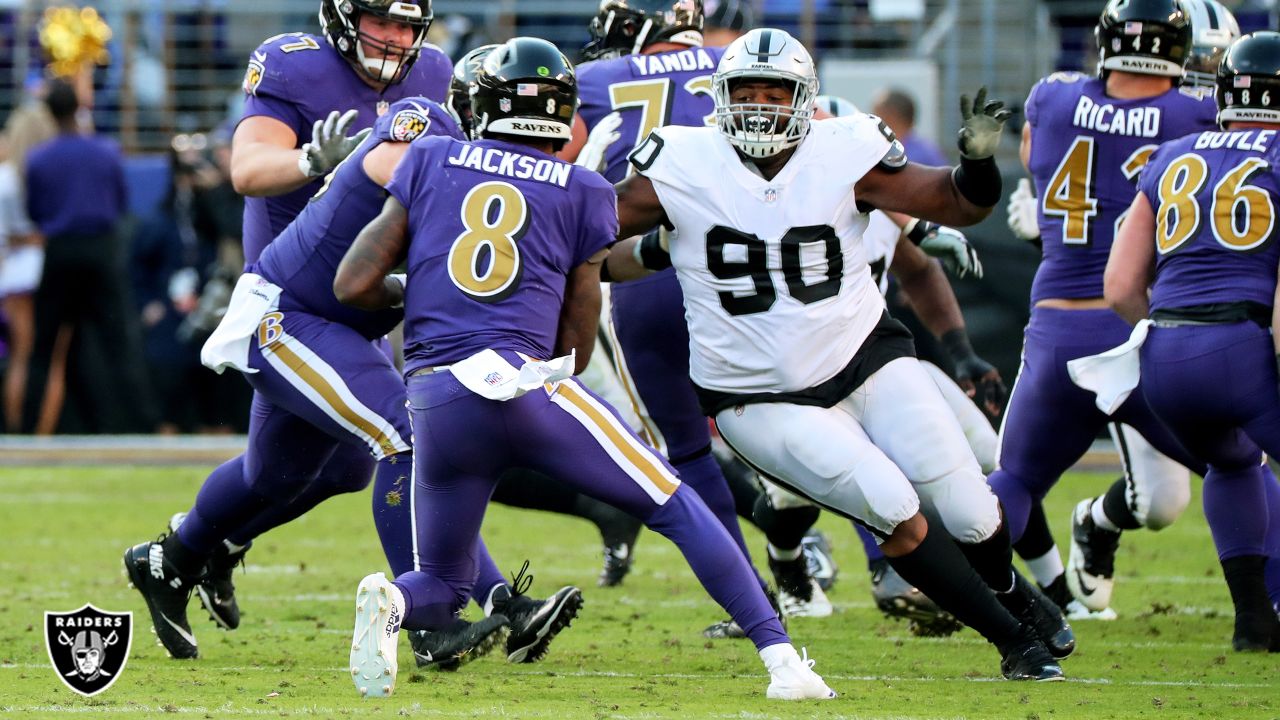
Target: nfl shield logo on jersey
[(504, 104), (88, 647)]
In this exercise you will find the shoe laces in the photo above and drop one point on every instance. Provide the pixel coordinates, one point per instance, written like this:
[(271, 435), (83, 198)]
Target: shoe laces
[(805, 659), (521, 581)]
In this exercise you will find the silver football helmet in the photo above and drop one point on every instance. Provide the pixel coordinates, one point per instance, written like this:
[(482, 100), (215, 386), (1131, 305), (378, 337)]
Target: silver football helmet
[(835, 106), (1213, 29), (761, 131)]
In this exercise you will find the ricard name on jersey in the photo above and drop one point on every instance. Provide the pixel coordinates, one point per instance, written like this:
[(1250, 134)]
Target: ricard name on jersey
[(1105, 118)]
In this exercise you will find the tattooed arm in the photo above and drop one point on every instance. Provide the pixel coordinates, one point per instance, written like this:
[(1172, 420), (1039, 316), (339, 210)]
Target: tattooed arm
[(362, 279)]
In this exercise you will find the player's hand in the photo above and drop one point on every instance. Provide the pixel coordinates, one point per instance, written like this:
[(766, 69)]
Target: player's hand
[(953, 249), (329, 143), (604, 134), (983, 124), (1023, 207), (981, 381)]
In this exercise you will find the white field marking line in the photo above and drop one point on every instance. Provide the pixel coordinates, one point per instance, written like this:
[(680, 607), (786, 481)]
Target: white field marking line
[(413, 709), (739, 676)]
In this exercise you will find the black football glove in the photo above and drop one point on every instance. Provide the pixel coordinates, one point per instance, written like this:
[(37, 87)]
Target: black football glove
[(978, 378)]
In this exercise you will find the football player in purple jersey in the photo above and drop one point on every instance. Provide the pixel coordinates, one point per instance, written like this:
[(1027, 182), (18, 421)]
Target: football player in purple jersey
[(1194, 267), (503, 244), (1084, 143)]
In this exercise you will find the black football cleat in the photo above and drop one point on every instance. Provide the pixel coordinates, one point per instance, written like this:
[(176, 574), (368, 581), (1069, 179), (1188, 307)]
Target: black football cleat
[(799, 595), (617, 563), (817, 553), (1091, 564), (1030, 660), (458, 644), (1256, 633), (1029, 605), (216, 591), (167, 593), (534, 623)]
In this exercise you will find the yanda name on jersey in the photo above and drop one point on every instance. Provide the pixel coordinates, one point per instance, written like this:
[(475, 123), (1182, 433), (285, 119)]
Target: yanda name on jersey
[(685, 60), (514, 165), (1135, 122)]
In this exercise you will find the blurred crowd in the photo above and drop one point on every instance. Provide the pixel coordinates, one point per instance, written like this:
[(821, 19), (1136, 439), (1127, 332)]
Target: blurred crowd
[(104, 313)]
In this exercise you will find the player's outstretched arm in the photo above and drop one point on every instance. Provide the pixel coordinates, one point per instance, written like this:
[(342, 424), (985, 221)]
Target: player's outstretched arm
[(363, 280), (933, 300), (959, 196), (264, 158), (580, 313), (1132, 263), (639, 211)]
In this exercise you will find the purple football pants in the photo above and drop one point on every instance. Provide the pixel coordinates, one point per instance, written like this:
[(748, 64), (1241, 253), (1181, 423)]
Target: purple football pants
[(463, 444), (1051, 422)]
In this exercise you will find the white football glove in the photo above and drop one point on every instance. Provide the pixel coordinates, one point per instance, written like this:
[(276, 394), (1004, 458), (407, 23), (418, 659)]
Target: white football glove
[(604, 134), (403, 279), (1023, 207), (983, 125), (329, 144), (951, 247)]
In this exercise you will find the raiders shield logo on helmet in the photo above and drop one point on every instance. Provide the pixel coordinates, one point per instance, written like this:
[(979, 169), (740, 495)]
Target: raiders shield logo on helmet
[(409, 124), (88, 647)]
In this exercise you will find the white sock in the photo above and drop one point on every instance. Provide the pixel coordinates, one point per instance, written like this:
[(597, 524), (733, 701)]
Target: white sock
[(775, 655), (397, 600), (1047, 567), (1100, 516), (779, 554)]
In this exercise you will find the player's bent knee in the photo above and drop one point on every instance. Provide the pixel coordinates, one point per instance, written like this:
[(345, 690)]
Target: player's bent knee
[(966, 505), (906, 537), (1165, 507)]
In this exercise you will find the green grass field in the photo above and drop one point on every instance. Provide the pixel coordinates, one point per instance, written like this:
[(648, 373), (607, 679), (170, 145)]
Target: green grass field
[(634, 652)]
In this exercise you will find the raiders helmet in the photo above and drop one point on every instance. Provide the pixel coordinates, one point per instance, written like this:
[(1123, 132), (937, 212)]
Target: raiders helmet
[(1248, 87), (1145, 37), (1213, 29), (464, 73), (625, 27), (340, 22), (760, 131), (835, 106), (524, 87)]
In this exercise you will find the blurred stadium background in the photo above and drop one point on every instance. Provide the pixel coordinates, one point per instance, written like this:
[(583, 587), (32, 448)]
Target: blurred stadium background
[(170, 95)]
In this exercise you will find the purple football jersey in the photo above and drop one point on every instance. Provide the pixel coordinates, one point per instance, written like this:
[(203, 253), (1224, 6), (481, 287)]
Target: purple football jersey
[(297, 79), (304, 258), (1086, 152), (495, 228), (648, 91), (1215, 196)]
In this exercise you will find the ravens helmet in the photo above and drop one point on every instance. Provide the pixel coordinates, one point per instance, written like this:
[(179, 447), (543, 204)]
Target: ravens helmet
[(1248, 87), (625, 27), (340, 22), (464, 73), (1145, 37), (525, 87), (1213, 29)]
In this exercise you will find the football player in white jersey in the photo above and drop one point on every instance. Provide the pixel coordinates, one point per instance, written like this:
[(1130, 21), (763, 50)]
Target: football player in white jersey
[(791, 349)]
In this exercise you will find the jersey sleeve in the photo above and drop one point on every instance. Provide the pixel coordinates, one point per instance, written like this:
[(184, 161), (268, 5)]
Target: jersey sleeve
[(673, 156), (410, 118), (597, 215), (406, 180), (1149, 175), (272, 78)]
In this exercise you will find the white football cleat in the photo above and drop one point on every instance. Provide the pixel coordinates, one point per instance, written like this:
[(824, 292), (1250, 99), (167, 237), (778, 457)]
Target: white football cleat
[(379, 611), (1076, 611), (817, 604), (794, 679)]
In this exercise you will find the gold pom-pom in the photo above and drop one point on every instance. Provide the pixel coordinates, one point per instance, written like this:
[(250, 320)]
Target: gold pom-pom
[(73, 38)]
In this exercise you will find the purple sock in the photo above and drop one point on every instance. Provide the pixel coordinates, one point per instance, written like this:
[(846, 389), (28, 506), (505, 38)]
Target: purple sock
[(1235, 504), (347, 470), (1272, 568), (225, 503), (1016, 500), (724, 572), (391, 510), (869, 545), (703, 474)]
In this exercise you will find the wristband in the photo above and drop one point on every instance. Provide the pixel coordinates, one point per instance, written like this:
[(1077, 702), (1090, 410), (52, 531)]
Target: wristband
[(649, 253), (956, 343), (917, 230), (978, 181)]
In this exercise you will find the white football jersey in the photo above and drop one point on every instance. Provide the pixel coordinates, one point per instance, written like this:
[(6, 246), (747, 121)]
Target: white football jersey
[(881, 241), (777, 293)]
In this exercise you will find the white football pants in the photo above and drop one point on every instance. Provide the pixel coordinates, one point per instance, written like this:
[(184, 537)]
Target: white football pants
[(876, 455), (1157, 489)]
